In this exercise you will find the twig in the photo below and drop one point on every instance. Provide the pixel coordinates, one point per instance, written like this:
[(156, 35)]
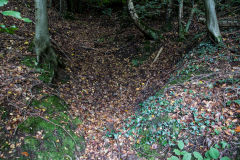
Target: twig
[(155, 59), (57, 126)]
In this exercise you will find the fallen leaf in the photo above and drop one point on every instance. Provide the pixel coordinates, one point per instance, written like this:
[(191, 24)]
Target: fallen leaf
[(25, 154), (12, 146), (228, 132), (237, 129)]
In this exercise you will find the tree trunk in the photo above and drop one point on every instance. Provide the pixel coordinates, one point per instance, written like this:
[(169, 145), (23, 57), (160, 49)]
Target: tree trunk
[(212, 22), (168, 24), (50, 4), (169, 11), (180, 15), (147, 31), (44, 51), (63, 7), (190, 17)]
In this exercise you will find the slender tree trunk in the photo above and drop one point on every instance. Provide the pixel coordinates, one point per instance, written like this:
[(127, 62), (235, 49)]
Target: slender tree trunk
[(50, 3), (63, 7), (147, 31), (44, 51), (190, 17), (212, 22), (180, 15), (169, 11)]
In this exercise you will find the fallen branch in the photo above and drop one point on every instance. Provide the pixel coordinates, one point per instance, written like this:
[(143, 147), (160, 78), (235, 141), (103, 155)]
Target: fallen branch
[(155, 59)]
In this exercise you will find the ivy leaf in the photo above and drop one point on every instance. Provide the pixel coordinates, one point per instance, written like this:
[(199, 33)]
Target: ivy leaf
[(26, 20), (207, 155), (187, 156), (184, 152), (225, 158), (224, 144), (3, 2), (14, 14), (214, 153), (237, 101), (177, 152), (180, 145), (173, 158), (197, 155)]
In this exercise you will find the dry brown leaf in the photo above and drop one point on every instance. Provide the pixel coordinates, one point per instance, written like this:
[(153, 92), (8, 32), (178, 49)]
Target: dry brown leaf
[(228, 132), (237, 129), (25, 154)]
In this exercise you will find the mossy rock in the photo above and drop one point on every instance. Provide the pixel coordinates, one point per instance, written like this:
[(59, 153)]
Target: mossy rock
[(50, 104), (50, 136)]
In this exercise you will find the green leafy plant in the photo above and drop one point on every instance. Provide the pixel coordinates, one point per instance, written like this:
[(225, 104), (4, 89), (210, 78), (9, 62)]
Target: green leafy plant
[(3, 2), (10, 30), (212, 153), (180, 152), (15, 14)]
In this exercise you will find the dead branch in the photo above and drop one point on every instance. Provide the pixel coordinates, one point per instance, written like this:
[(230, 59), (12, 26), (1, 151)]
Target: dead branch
[(159, 52), (57, 126)]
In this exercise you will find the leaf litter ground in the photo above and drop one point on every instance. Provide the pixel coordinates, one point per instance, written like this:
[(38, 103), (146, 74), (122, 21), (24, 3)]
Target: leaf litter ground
[(105, 87)]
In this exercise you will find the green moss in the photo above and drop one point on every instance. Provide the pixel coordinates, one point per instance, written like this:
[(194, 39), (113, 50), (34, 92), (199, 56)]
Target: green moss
[(32, 124), (31, 47), (46, 73), (29, 61), (51, 104), (31, 142), (53, 141), (53, 137)]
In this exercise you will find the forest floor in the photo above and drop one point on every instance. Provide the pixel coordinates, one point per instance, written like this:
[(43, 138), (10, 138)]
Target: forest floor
[(110, 69)]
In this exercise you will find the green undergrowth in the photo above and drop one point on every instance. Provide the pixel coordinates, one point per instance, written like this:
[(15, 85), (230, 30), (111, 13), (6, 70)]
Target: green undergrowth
[(45, 71), (50, 136), (212, 153), (191, 67), (152, 128)]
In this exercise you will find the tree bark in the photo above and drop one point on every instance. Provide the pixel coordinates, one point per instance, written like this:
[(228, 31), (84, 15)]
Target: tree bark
[(43, 49), (190, 18), (180, 15), (169, 11), (50, 4), (147, 31), (212, 22), (63, 7)]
